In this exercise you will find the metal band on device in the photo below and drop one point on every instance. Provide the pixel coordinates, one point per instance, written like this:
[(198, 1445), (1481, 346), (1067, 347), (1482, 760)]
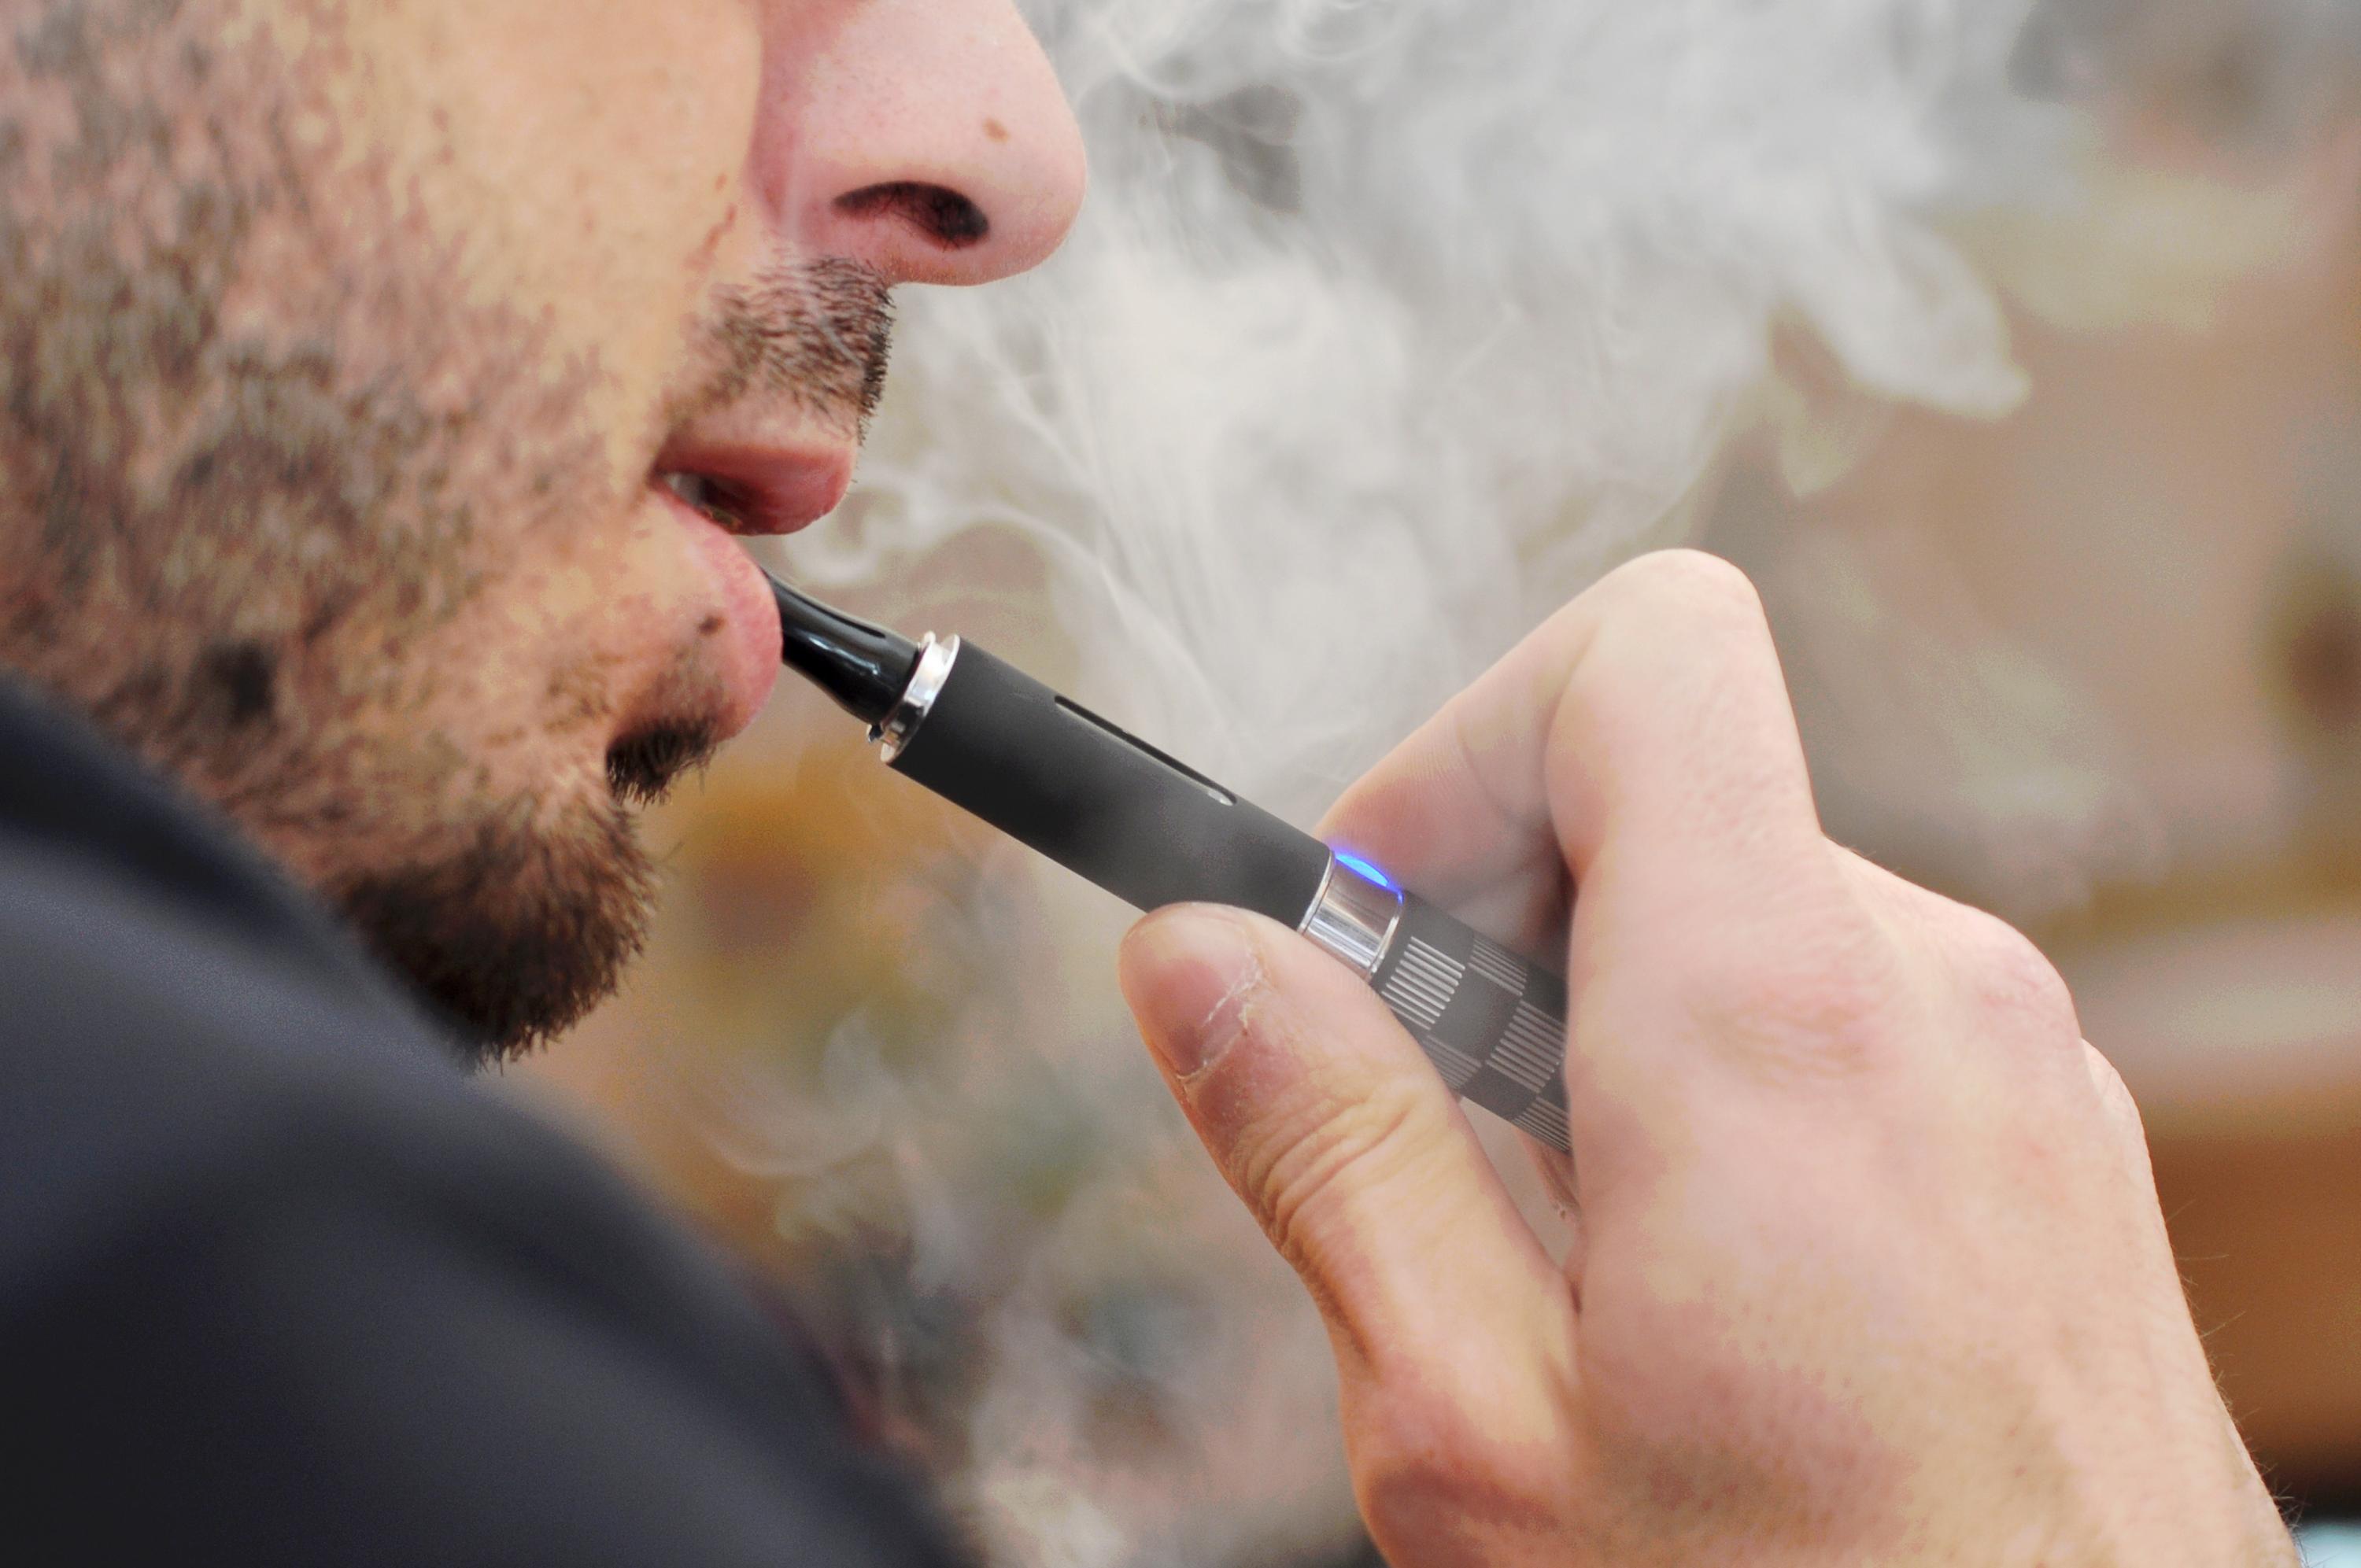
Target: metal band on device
[(926, 678), (1353, 917)]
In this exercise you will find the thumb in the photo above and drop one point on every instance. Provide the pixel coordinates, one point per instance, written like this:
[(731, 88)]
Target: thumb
[(1346, 1145)]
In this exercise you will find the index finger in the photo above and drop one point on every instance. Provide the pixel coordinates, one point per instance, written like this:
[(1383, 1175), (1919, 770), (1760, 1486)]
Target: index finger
[(1640, 741)]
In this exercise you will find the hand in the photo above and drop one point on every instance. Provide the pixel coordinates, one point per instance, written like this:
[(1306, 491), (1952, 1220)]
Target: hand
[(1869, 1265)]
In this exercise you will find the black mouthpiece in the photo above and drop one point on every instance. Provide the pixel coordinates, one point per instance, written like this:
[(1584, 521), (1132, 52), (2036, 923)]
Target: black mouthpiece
[(865, 668)]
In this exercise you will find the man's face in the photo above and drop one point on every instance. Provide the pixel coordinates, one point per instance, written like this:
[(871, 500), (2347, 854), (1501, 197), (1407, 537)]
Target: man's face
[(358, 356)]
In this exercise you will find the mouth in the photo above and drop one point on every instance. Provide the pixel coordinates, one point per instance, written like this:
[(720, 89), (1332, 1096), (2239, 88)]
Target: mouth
[(721, 493), (754, 490)]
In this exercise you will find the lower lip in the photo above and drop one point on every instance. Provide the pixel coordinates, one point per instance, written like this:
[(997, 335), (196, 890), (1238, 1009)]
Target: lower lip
[(747, 642)]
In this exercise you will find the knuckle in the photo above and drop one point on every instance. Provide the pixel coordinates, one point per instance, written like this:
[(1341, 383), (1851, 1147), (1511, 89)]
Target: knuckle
[(1682, 586), (2116, 1099), (2007, 980)]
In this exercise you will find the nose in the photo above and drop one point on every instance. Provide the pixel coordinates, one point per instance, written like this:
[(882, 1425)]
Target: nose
[(927, 137)]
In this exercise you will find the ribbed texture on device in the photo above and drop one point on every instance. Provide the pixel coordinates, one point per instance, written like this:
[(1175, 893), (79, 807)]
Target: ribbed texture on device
[(1493, 1024)]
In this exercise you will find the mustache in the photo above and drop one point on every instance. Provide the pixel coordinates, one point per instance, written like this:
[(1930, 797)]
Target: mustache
[(821, 332)]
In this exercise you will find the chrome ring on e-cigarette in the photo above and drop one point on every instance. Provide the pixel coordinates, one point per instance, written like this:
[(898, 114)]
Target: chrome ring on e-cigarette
[(1353, 917), (926, 678)]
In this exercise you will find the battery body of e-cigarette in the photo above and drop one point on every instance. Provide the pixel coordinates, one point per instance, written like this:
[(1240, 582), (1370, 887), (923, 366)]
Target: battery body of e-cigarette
[(1126, 816)]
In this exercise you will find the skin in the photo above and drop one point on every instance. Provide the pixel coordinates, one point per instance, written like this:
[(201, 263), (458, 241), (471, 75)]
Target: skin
[(1869, 1264), (344, 342)]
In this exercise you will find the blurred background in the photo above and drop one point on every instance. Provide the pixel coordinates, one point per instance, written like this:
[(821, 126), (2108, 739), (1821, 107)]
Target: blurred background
[(2015, 349)]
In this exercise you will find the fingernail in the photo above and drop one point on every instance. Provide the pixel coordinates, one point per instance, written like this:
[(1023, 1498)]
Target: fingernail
[(1189, 974)]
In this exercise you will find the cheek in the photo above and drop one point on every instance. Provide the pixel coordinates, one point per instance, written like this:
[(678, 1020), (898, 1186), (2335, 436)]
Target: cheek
[(566, 624), (527, 676), (582, 157), (647, 139)]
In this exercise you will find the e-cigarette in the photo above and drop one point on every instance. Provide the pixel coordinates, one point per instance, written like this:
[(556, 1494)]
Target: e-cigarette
[(1153, 831)]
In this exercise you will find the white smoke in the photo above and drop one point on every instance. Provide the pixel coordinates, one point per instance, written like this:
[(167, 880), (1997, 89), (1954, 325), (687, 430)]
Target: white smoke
[(1386, 324)]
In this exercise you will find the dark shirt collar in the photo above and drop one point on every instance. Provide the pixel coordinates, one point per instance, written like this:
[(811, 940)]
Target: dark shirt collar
[(67, 789)]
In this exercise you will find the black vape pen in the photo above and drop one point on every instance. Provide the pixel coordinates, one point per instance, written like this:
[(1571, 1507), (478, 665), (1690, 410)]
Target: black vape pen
[(1122, 815)]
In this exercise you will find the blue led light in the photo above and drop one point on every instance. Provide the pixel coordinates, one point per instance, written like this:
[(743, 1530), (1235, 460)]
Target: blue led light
[(1367, 869)]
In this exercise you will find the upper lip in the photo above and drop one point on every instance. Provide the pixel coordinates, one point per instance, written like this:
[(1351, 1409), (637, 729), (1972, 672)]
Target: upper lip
[(755, 481)]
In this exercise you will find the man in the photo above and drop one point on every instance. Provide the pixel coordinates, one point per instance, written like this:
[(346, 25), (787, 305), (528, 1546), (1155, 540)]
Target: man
[(383, 383)]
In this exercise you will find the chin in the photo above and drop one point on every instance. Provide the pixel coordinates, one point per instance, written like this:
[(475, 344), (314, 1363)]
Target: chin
[(519, 924)]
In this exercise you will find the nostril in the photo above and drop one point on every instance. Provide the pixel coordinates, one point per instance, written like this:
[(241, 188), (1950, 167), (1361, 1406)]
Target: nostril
[(943, 215)]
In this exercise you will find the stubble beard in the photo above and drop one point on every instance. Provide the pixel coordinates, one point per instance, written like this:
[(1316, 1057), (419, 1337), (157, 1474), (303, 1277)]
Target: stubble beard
[(229, 545)]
